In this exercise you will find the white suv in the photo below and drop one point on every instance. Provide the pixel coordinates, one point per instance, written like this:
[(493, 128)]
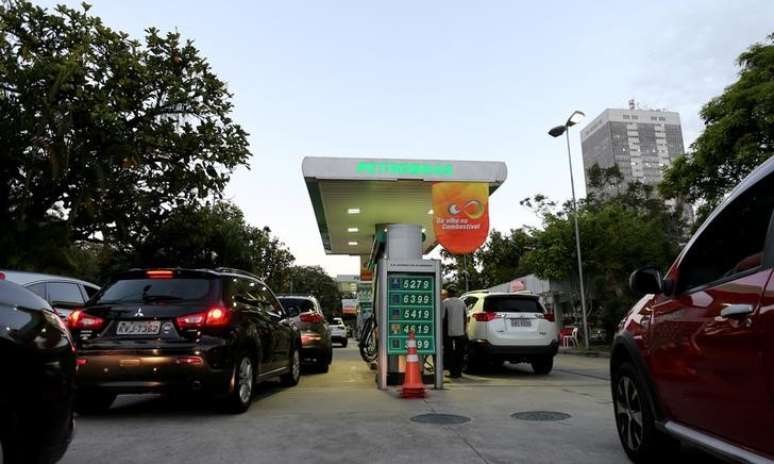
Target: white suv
[(511, 327), (339, 331)]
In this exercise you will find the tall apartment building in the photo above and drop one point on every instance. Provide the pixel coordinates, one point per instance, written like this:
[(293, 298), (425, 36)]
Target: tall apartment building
[(641, 142)]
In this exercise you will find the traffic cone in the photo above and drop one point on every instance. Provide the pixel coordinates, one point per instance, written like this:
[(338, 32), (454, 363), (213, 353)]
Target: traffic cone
[(412, 381)]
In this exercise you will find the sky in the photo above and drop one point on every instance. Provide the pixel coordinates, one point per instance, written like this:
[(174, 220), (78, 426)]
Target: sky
[(442, 79)]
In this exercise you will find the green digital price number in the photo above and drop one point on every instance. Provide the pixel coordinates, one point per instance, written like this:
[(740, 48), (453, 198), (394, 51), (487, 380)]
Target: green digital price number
[(411, 299), (411, 308), (405, 328), (425, 345), (411, 283)]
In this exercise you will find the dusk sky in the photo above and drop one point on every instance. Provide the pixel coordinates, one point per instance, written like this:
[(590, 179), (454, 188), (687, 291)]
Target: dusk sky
[(442, 80)]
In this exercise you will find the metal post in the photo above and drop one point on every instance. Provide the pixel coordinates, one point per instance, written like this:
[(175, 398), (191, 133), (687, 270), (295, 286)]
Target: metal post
[(578, 246), (465, 267)]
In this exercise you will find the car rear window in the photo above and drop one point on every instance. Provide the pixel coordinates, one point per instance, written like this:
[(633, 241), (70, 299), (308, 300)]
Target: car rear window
[(156, 290), (295, 306), (512, 304)]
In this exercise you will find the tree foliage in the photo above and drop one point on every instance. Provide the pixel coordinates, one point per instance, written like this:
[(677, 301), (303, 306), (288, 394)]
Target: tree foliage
[(618, 235), (501, 259), (213, 236), (498, 261), (313, 280), (739, 133), (103, 137)]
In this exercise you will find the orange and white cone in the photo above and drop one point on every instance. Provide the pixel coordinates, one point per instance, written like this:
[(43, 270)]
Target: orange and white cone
[(412, 381)]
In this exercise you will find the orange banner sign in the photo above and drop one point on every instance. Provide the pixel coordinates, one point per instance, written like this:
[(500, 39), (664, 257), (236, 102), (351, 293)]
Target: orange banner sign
[(461, 215)]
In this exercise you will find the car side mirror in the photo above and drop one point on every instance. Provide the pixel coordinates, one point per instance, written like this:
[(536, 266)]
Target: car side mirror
[(646, 280)]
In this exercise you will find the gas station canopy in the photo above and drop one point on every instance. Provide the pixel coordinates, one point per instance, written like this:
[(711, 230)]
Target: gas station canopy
[(353, 196)]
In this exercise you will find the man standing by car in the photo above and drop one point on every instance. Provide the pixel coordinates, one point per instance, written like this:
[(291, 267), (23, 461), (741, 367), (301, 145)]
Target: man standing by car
[(455, 321)]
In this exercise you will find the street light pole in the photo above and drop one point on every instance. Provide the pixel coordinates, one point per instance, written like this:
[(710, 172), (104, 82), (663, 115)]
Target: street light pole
[(578, 247), (574, 118)]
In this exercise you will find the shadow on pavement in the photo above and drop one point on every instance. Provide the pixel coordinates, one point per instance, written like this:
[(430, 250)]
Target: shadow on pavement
[(181, 405)]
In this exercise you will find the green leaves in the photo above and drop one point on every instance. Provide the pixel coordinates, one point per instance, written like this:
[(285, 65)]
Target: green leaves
[(739, 134), (312, 280), (103, 134), (212, 236)]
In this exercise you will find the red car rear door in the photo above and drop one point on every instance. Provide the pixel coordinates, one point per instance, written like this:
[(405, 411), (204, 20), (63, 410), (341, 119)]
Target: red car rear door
[(706, 345)]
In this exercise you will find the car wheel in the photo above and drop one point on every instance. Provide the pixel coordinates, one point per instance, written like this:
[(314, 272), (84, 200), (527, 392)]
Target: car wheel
[(344, 343), (294, 369), (475, 363), (634, 419), (93, 401), (323, 365), (240, 398), (542, 365)]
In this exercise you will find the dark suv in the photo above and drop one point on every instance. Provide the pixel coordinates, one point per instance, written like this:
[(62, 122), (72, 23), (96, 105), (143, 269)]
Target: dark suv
[(693, 361), (182, 330)]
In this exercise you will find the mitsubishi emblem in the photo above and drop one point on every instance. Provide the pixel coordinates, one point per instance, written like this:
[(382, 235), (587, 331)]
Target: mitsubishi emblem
[(139, 313)]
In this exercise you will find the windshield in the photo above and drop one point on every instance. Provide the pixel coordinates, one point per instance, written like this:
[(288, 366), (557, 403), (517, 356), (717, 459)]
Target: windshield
[(155, 290), (512, 304), (295, 306)]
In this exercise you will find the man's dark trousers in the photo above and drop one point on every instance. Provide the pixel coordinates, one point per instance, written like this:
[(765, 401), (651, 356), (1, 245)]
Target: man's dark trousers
[(454, 350)]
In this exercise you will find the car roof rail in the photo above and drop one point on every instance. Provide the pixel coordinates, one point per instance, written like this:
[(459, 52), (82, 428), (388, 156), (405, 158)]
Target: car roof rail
[(231, 270)]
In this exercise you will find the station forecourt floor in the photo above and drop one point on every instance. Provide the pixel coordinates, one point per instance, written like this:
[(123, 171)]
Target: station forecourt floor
[(341, 417)]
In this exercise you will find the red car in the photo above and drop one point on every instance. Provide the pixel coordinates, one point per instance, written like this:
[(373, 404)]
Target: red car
[(693, 361)]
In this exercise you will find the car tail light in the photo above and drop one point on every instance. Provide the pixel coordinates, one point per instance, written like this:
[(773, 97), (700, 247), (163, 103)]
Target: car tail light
[(309, 338), (213, 317), (485, 316), (190, 360), (2, 276), (314, 318), (83, 321), (550, 317), (159, 274), (81, 362)]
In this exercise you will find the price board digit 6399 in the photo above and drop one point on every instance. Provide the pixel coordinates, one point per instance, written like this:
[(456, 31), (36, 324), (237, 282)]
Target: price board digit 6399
[(410, 306)]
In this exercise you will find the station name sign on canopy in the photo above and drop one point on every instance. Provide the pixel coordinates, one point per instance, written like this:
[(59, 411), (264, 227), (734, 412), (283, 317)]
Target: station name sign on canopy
[(353, 197)]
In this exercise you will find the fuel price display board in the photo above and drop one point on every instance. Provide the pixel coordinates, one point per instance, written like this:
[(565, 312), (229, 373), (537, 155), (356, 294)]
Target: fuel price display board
[(410, 306)]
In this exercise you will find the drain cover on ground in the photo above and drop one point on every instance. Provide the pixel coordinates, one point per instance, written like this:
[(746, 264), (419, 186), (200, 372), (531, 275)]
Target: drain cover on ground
[(441, 419), (540, 416)]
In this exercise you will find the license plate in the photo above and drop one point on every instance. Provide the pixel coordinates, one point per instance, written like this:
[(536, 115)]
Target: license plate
[(521, 322), (138, 328)]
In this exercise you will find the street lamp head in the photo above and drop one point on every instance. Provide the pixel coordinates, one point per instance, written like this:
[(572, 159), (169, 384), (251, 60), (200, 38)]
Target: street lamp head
[(557, 131), (575, 118)]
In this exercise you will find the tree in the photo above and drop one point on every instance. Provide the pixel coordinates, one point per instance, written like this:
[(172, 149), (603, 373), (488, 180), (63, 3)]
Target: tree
[(103, 137), (313, 280), (618, 235), (500, 260), (456, 268), (212, 236), (739, 134)]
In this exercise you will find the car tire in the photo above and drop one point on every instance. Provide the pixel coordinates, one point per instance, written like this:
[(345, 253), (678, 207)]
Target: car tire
[(93, 401), (291, 378), (542, 365), (475, 363), (634, 420), (323, 365), (344, 343), (240, 397)]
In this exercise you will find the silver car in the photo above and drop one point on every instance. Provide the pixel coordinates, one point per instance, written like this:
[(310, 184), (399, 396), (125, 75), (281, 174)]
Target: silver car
[(306, 314), (63, 293)]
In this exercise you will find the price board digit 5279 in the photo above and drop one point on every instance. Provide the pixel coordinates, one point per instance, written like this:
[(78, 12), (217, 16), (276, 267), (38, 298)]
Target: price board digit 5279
[(410, 306)]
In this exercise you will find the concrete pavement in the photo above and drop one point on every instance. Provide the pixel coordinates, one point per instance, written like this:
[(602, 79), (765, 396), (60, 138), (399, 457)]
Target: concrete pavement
[(341, 417)]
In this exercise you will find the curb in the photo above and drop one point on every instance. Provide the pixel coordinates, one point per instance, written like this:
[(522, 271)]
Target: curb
[(587, 354)]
